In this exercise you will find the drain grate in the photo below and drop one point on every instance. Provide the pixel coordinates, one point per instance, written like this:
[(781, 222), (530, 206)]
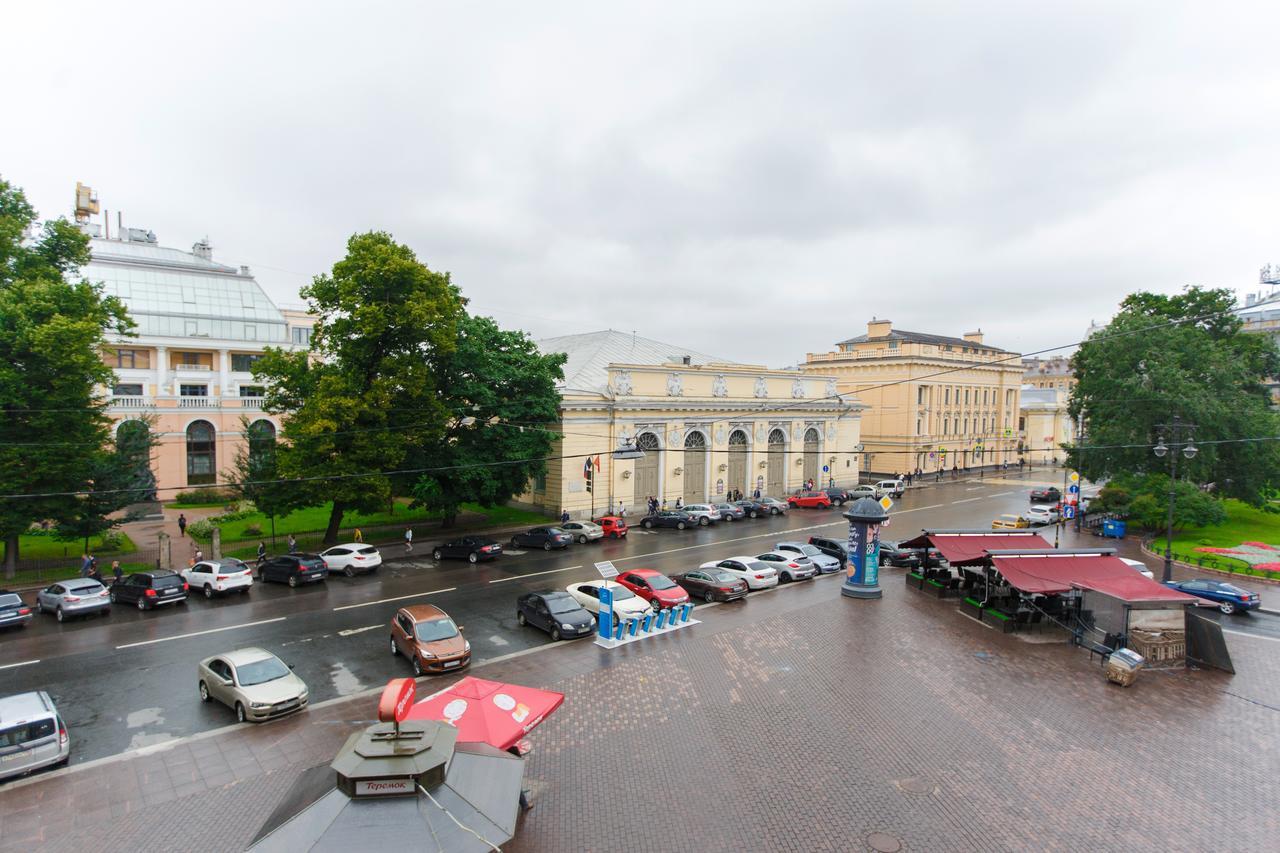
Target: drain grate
[(882, 842)]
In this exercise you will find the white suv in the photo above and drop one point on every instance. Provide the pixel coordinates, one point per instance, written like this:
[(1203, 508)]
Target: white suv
[(704, 513), (218, 576)]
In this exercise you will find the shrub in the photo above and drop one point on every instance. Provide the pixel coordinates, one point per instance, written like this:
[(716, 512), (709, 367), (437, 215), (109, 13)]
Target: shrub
[(202, 529), (111, 541), (204, 496), (253, 530)]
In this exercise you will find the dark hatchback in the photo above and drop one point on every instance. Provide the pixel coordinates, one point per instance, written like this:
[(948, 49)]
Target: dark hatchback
[(14, 613), (150, 589), (838, 496), (669, 518), (711, 584), (545, 538), (473, 549), (556, 612), (753, 509), (832, 547), (294, 569), (1046, 496)]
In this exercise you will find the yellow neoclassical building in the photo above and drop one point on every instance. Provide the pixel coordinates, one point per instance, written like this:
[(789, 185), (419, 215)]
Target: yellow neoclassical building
[(1044, 424), (707, 426), (932, 401)]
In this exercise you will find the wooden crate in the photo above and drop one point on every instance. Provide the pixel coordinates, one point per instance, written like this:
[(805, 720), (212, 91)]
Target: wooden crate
[(1164, 648)]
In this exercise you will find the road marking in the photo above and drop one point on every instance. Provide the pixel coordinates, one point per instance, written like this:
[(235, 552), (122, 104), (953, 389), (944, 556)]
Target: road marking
[(1247, 634), (974, 488), (515, 553), (201, 633), (534, 574), (397, 598), (966, 500), (999, 494), (348, 632), (24, 663)]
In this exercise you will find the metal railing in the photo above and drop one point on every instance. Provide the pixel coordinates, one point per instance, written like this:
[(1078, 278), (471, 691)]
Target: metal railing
[(198, 403), (130, 402)]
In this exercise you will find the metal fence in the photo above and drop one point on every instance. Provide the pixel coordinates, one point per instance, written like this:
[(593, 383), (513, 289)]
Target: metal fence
[(34, 572)]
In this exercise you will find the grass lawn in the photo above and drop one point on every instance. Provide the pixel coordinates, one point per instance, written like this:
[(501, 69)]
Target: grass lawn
[(48, 548), (33, 577), (1244, 524)]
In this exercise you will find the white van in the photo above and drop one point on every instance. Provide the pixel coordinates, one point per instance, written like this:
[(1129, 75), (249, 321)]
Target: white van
[(32, 734), (894, 488)]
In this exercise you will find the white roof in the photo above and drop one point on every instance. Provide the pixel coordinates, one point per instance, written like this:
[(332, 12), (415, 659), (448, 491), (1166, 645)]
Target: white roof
[(590, 355)]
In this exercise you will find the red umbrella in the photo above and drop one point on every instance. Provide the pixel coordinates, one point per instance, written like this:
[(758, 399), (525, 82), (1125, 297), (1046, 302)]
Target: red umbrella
[(488, 711)]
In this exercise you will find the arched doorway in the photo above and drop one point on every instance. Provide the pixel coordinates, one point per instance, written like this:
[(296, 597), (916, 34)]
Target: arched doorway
[(776, 475), (695, 468), (647, 469), (202, 454), (811, 439), (737, 478)]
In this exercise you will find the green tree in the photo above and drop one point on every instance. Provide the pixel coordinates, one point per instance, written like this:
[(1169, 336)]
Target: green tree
[(54, 429), (368, 391), (499, 389), (1184, 355), (1145, 499), (255, 473), (119, 477)]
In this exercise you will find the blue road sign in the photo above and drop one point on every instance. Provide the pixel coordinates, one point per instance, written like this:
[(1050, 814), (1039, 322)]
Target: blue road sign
[(1073, 489), (1069, 511), (825, 469)]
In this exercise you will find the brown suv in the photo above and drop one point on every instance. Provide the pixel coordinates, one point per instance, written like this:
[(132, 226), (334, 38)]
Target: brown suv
[(427, 636)]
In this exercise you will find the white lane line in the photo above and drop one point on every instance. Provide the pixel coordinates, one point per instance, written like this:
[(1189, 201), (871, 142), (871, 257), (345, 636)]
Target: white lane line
[(533, 574), (24, 663), (999, 494), (974, 488), (201, 633), (397, 598), (1247, 634), (966, 500), (348, 632)]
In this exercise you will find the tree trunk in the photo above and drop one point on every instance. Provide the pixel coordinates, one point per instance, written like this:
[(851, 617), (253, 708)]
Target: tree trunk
[(335, 521), (11, 555)]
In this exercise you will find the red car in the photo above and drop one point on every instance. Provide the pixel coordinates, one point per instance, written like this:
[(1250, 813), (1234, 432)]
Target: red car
[(614, 527), (654, 587), (810, 500)]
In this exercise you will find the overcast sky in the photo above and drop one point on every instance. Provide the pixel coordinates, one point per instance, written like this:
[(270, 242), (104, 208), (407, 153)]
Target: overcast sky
[(751, 182)]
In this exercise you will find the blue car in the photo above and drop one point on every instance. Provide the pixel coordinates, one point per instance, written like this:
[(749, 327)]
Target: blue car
[(1229, 598)]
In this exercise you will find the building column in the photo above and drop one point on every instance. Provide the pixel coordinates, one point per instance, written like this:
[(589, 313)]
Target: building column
[(224, 377), (161, 368)]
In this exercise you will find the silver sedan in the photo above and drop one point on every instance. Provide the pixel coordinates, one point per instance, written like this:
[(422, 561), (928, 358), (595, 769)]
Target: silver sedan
[(583, 531), (254, 682), (80, 597)]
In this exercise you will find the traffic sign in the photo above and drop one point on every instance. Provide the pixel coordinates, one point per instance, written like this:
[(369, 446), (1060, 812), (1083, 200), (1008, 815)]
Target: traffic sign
[(825, 469), (1073, 489), (606, 570), (1069, 511), (886, 503), (1075, 477)]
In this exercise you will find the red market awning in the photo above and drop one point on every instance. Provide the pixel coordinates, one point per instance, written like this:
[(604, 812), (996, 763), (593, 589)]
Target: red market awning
[(1053, 573), (971, 548), (488, 711)]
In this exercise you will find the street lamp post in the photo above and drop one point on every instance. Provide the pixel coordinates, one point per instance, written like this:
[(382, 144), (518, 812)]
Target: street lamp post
[(1180, 433)]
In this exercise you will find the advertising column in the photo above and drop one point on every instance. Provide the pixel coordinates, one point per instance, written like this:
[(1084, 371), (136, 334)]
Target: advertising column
[(862, 573)]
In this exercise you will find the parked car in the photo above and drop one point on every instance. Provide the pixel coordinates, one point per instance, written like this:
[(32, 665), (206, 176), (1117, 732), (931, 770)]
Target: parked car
[(730, 512), (556, 612), (864, 492), (80, 597), (32, 733), (429, 639), (255, 683), (752, 508), (679, 519), (704, 514), (1046, 495), (790, 567), (893, 488), (625, 602), (832, 548), (546, 538), (1228, 597), (1009, 522), (838, 496), (654, 587), (756, 574), (14, 612), (893, 554), (775, 506), (353, 558), (473, 549), (1041, 514), (150, 589), (214, 576), (810, 500), (293, 569), (1139, 567), (613, 526), (583, 531), (712, 584), (824, 563)]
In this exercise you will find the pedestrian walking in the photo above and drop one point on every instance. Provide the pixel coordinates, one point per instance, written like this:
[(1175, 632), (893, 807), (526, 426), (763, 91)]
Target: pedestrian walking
[(199, 555), (564, 516), (679, 502), (262, 552), (622, 512), (182, 525), (293, 544), (408, 539), (95, 574), (86, 563), (357, 535), (116, 571)]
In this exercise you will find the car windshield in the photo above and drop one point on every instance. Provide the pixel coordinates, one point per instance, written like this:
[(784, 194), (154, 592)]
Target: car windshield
[(369, 549), (621, 593), (9, 600), (26, 732), (757, 566), (1231, 590), (809, 551), (261, 671), (436, 629), (722, 576), (554, 530), (86, 589), (660, 582), (562, 605), (165, 581)]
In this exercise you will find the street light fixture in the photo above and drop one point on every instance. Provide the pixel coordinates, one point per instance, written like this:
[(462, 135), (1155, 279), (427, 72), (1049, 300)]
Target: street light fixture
[(1177, 430)]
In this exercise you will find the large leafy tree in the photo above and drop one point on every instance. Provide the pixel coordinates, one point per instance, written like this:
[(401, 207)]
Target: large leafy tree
[(120, 475), (1184, 354), (368, 390), (54, 429), (255, 473), (499, 390)]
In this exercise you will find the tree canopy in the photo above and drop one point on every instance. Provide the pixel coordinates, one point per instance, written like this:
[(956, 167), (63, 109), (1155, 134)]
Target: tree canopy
[(1187, 355)]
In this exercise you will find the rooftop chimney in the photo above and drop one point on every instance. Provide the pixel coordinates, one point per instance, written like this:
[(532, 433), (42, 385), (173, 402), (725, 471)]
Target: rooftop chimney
[(879, 328), (203, 250), (973, 337)]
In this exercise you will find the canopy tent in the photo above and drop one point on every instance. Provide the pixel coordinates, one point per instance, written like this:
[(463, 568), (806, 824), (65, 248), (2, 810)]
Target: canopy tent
[(970, 547), (488, 711), (1057, 572)]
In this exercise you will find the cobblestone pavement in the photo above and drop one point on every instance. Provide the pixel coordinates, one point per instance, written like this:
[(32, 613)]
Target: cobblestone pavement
[(795, 720)]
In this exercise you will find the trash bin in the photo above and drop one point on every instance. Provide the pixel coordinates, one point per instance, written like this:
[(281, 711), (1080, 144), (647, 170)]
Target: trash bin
[(1113, 528), (1123, 666)]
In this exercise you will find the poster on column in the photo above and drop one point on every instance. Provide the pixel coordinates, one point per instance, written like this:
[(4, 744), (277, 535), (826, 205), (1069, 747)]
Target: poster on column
[(872, 570), (857, 549)]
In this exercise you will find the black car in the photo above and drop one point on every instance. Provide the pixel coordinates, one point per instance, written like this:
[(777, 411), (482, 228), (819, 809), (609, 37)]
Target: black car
[(473, 549), (294, 569), (753, 509), (150, 589), (838, 497), (14, 613), (1044, 496), (832, 547), (893, 554), (669, 518), (556, 612), (711, 584), (730, 512), (545, 538)]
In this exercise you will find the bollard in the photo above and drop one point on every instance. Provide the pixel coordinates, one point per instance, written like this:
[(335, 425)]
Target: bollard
[(632, 625), (662, 620), (603, 626), (685, 611), (648, 622), (620, 627)]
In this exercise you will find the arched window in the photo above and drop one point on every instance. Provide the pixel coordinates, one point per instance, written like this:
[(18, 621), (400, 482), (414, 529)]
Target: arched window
[(261, 437), (202, 461)]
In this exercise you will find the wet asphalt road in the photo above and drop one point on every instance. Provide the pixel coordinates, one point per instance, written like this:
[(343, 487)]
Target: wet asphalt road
[(128, 680)]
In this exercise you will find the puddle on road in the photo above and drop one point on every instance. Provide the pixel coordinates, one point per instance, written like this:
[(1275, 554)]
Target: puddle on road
[(344, 680), (497, 641), (146, 717), (141, 739), (143, 717)]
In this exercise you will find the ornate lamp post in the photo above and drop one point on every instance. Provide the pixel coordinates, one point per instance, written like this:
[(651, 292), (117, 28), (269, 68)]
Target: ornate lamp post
[(1178, 430), (862, 573)]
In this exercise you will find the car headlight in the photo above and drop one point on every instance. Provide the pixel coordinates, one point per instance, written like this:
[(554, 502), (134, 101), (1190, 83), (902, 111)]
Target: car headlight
[(426, 655), (259, 705), (565, 626), (466, 645)]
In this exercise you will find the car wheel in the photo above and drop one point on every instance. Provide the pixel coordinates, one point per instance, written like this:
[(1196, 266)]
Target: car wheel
[(208, 591), (59, 614), (679, 525), (708, 596), (647, 524), (838, 503), (786, 578), (582, 540), (113, 596), (293, 581), (1227, 607), (473, 557), (240, 716), (755, 514), (514, 543), (39, 606), (417, 667), (142, 604), (395, 650), (204, 692), (704, 521), (546, 546), (520, 620), (435, 555), (555, 634), (773, 510), (347, 571)]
